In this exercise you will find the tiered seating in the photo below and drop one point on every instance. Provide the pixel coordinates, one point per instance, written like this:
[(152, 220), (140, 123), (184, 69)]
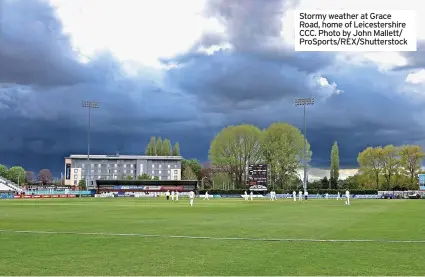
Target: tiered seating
[(4, 188), (9, 184)]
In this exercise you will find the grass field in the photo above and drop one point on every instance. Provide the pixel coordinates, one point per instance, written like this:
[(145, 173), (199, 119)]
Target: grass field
[(85, 240)]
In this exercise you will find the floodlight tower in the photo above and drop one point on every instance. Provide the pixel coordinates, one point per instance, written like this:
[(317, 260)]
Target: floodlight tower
[(304, 102), (90, 105)]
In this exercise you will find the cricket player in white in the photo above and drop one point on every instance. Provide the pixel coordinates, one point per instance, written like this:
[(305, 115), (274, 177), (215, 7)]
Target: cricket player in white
[(300, 195), (206, 196), (245, 196), (327, 195), (177, 195), (294, 194), (172, 195), (271, 196), (191, 197), (251, 195), (338, 196), (347, 197), (274, 196)]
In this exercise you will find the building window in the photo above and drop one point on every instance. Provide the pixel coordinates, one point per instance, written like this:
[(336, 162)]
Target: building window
[(169, 166), (75, 182), (99, 165), (75, 176), (169, 172), (175, 166), (168, 178), (98, 171), (115, 165), (132, 165), (92, 171), (160, 165), (125, 166), (153, 173), (82, 165), (160, 172), (98, 177), (131, 171), (92, 165), (109, 171), (75, 170), (115, 171), (125, 171), (153, 166), (175, 171)]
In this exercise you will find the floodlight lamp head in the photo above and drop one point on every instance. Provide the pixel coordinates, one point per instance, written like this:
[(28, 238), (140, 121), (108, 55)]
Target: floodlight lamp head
[(304, 101)]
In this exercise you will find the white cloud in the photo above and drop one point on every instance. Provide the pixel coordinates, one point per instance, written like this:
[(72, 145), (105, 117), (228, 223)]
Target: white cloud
[(416, 78), (134, 30)]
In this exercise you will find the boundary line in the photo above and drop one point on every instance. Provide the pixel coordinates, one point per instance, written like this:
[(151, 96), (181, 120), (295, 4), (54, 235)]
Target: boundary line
[(207, 238)]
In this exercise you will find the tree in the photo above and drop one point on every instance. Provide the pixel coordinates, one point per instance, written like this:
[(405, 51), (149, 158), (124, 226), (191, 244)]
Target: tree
[(29, 177), (82, 184), (144, 176), (176, 149), (334, 176), (324, 183), (411, 159), (128, 177), (370, 162), (44, 176), (234, 148), (390, 160), (283, 151), (206, 175), (155, 178), (195, 165), (150, 149), (16, 174), (3, 171), (158, 147), (166, 147), (188, 174)]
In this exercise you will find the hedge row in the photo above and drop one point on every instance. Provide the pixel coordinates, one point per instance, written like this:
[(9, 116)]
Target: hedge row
[(279, 191)]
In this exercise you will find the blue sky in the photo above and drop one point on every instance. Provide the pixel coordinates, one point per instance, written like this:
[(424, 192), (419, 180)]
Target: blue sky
[(185, 69)]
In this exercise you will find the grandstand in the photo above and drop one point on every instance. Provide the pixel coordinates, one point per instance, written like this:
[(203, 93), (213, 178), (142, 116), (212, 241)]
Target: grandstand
[(7, 185)]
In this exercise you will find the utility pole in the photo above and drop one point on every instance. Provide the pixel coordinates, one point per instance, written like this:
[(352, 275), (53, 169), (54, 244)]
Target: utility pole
[(90, 105), (304, 102)]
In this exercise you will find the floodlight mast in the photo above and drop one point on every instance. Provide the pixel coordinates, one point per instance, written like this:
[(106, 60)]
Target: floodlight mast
[(90, 105), (304, 102)]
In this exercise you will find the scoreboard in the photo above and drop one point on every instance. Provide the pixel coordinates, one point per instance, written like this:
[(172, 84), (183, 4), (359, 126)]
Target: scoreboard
[(421, 181), (257, 175)]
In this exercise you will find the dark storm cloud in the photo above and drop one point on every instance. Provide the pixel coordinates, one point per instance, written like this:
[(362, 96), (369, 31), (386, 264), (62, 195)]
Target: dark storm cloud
[(255, 82), (32, 48)]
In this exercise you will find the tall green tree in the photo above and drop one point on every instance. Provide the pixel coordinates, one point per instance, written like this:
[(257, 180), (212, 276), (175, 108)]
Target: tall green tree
[(283, 150), (390, 160), (194, 165), (370, 162), (3, 171), (334, 174), (176, 149), (16, 174), (188, 174), (166, 147), (158, 147), (151, 147), (411, 159), (234, 148)]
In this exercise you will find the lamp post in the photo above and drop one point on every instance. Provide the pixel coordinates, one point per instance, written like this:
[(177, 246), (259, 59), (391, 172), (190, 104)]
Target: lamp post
[(304, 102), (90, 105)]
